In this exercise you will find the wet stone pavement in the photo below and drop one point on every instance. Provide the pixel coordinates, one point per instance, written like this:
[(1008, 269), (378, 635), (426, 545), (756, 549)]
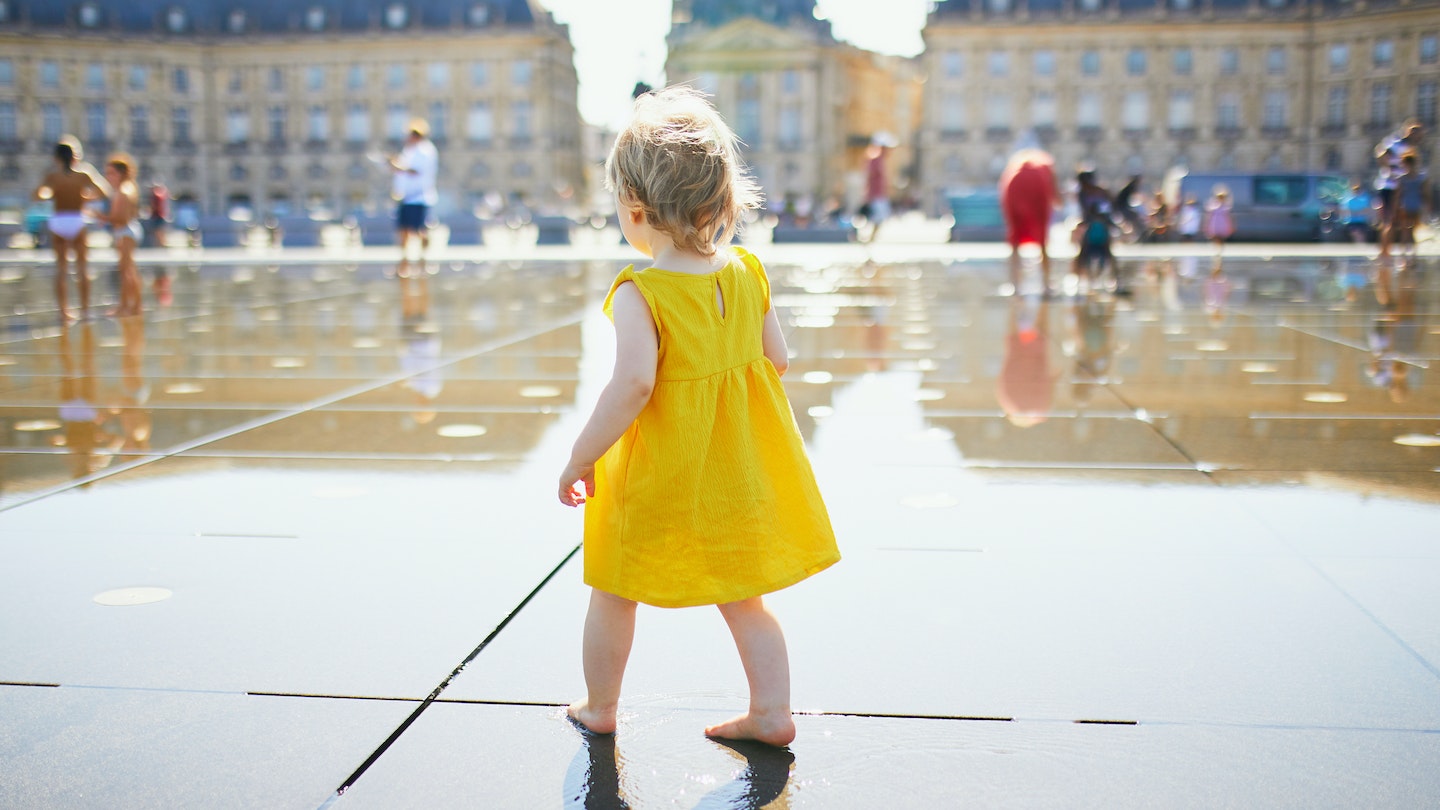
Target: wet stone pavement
[(291, 541)]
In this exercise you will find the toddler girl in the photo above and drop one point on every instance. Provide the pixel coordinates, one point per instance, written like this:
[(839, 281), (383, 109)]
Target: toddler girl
[(1219, 223), (698, 488)]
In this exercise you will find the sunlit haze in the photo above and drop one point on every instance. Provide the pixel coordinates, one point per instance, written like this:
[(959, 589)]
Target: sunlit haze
[(615, 49)]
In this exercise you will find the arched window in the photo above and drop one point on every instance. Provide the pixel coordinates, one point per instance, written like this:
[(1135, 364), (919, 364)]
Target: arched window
[(175, 20), (479, 15), (315, 18), (236, 21), (89, 16)]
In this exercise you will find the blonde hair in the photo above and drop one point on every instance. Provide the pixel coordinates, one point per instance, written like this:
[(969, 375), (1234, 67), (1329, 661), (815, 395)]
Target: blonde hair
[(680, 162), (123, 163)]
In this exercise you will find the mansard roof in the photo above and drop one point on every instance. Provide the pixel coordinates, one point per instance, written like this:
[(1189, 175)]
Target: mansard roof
[(219, 17)]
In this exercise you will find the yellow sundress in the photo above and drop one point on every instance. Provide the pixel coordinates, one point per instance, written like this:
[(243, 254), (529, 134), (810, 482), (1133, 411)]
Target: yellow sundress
[(708, 497)]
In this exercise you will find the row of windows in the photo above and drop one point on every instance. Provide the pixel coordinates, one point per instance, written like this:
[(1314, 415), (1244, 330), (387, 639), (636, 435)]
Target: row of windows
[(237, 21), (359, 170), (356, 122), (480, 120), (1090, 108), (1006, 6), (138, 77), (1182, 60)]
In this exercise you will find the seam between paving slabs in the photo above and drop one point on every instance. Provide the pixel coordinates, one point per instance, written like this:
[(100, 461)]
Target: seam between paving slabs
[(444, 684)]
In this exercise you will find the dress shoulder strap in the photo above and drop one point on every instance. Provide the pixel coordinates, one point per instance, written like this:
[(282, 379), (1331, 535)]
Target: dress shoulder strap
[(631, 275), (752, 265)]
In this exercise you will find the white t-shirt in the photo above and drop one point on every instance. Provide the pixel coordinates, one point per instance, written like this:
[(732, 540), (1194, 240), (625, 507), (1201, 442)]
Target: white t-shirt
[(419, 187)]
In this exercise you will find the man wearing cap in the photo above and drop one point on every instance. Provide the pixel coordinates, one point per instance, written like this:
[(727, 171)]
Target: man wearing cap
[(415, 171)]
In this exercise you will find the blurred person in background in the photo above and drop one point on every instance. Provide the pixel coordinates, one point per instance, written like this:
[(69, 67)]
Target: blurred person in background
[(1028, 198), (69, 186)]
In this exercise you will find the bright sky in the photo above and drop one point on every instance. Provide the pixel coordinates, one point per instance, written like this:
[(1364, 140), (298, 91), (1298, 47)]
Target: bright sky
[(615, 49)]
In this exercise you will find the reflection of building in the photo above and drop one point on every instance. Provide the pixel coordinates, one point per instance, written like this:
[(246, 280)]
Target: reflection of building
[(1141, 85), (282, 106), (804, 103)]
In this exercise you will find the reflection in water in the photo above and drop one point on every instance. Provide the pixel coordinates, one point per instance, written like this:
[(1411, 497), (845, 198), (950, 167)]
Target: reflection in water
[(95, 431), (599, 788), (1395, 329), (764, 780), (762, 783), (1093, 346), (1217, 291), (422, 345), (90, 447), (1025, 387), (129, 404)]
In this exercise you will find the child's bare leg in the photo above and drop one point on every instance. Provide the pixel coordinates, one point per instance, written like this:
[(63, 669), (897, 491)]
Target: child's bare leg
[(62, 273), (767, 668), (609, 631), (82, 272)]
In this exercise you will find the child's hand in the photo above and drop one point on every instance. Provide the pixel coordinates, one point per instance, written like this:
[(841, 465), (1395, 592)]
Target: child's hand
[(577, 474)]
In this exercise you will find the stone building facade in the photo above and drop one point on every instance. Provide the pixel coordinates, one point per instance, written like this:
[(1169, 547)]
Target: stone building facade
[(284, 108), (804, 104), (1140, 86)]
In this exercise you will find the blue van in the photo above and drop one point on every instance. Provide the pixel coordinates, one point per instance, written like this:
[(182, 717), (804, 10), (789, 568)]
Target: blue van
[(1268, 206)]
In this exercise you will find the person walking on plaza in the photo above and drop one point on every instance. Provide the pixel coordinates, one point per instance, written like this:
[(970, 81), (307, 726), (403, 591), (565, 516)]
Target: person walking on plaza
[(416, 169), (1412, 195), (1127, 206), (1187, 222), (1219, 224), (1388, 156), (69, 186), (1095, 230), (159, 219), (877, 185), (1157, 220), (693, 472), (1356, 211), (1028, 196), (125, 229)]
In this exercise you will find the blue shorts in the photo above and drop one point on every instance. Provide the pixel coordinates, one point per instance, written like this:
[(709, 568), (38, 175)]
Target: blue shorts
[(411, 216)]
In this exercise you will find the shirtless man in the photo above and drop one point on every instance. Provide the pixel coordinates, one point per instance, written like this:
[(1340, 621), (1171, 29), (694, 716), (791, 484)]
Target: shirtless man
[(70, 185)]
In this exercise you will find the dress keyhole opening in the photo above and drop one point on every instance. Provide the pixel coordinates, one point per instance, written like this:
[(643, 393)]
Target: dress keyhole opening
[(719, 299)]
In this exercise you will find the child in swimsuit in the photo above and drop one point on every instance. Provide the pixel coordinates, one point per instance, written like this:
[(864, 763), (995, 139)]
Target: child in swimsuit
[(125, 228), (696, 485), (70, 185)]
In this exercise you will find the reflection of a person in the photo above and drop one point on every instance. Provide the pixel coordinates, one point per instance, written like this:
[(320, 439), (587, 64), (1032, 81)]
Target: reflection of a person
[(877, 331), (1217, 291), (600, 786), (1093, 347), (422, 347), (763, 783), (135, 418), (1395, 332), (90, 447), (1025, 388)]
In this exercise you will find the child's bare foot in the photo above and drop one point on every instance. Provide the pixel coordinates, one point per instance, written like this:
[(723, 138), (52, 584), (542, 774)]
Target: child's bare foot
[(772, 729), (596, 722)]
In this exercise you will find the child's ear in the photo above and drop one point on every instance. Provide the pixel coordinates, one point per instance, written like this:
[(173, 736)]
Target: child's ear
[(637, 214)]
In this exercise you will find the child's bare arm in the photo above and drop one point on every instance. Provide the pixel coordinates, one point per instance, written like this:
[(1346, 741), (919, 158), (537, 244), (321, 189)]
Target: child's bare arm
[(637, 349), (773, 341)]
